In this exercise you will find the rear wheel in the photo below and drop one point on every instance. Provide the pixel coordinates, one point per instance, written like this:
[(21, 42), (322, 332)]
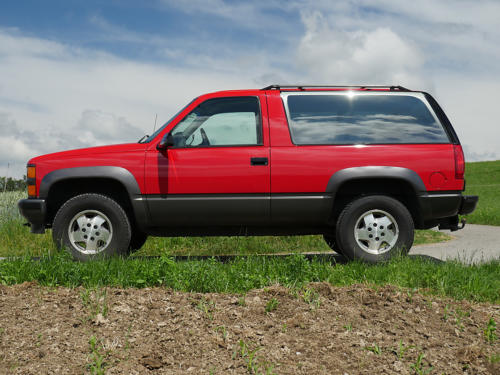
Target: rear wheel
[(374, 229), (92, 225)]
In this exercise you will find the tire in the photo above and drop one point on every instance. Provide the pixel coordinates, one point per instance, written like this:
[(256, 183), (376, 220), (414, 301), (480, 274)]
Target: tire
[(330, 241), (137, 240), (374, 229), (90, 226)]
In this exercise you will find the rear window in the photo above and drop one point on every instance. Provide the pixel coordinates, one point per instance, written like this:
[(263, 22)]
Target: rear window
[(319, 119)]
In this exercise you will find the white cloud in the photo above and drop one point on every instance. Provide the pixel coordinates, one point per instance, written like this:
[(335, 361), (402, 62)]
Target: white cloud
[(379, 56)]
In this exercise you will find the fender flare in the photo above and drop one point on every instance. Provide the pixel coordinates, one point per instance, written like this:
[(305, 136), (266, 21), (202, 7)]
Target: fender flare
[(120, 174), (380, 172)]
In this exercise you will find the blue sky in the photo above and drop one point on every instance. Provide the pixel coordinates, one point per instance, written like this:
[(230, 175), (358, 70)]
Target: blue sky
[(83, 73)]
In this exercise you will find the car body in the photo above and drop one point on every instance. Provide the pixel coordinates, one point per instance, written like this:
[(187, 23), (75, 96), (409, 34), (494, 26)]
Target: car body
[(283, 160)]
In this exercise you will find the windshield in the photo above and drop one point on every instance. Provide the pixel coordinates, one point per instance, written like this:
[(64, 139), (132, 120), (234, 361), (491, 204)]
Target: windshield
[(153, 136)]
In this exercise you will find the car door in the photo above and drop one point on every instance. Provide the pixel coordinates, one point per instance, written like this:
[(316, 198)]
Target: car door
[(217, 171)]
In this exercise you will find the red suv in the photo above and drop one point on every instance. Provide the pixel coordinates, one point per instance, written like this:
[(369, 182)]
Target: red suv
[(363, 166)]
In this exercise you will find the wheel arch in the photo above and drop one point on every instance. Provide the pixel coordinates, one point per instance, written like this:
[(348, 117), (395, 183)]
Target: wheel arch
[(400, 183), (116, 182)]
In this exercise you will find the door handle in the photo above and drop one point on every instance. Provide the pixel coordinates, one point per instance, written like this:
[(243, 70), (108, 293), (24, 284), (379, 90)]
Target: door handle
[(259, 161)]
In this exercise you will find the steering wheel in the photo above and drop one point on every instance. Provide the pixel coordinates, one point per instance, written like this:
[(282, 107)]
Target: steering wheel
[(205, 141)]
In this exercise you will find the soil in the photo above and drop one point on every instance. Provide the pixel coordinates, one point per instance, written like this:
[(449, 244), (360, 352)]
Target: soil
[(315, 330)]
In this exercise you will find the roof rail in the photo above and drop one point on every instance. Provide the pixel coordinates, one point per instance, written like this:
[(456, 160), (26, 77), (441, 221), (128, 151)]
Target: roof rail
[(362, 87)]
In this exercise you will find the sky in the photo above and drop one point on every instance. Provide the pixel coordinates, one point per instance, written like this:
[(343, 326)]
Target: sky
[(86, 73)]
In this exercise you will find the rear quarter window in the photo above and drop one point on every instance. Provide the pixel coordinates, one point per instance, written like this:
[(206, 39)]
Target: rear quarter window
[(359, 118)]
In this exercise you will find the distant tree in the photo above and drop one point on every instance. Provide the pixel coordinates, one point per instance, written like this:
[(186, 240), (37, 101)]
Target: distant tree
[(12, 184)]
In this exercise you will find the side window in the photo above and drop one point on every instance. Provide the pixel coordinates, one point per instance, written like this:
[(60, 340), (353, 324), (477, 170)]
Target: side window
[(231, 121), (361, 119)]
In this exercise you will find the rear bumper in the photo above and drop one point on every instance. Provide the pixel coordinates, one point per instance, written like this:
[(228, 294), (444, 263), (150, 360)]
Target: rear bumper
[(468, 204), (443, 209), (34, 210), (437, 206)]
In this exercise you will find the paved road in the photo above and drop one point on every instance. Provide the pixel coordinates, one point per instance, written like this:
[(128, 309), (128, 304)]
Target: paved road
[(474, 243)]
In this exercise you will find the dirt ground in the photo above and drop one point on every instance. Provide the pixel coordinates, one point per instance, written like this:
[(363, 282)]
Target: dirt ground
[(315, 330)]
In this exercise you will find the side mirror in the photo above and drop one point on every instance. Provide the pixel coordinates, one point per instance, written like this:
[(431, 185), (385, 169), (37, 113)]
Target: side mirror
[(166, 142)]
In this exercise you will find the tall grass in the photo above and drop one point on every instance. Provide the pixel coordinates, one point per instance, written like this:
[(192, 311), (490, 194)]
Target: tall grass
[(8, 206), (478, 282)]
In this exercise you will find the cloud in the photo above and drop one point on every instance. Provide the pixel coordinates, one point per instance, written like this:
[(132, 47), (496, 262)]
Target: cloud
[(379, 56)]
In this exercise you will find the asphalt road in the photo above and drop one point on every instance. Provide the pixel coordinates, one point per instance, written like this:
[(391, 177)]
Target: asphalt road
[(473, 244)]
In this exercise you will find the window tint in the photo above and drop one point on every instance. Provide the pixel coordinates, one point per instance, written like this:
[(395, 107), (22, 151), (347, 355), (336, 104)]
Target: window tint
[(221, 122), (361, 119)]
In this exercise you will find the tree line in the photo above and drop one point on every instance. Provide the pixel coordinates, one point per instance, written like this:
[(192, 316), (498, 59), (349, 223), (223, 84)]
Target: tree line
[(12, 184)]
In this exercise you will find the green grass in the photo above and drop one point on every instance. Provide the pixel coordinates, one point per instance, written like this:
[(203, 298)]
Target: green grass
[(478, 282), (483, 179), (16, 240)]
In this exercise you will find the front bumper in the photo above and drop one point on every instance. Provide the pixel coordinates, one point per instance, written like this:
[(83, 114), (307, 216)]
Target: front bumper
[(34, 210)]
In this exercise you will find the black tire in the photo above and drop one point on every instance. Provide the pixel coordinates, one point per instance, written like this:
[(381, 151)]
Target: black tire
[(361, 233), (332, 243), (98, 227), (137, 240)]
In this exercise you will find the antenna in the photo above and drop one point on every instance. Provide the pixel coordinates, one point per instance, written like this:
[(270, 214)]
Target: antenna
[(156, 118)]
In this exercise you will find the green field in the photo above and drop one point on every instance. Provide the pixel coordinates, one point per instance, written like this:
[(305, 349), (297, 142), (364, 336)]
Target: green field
[(483, 179)]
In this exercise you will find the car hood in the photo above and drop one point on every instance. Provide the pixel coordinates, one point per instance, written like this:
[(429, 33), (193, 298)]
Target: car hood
[(100, 150)]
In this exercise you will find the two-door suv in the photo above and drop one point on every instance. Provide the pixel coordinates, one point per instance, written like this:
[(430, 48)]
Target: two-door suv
[(363, 166)]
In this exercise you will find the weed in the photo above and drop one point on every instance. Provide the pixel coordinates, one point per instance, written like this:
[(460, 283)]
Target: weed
[(494, 358), (459, 316), (410, 293), (284, 328), (403, 349), (446, 312), (97, 364), (95, 301), (223, 331), (348, 327), (374, 349), (255, 365), (490, 331), (419, 367), (272, 305), (206, 307), (242, 302), (311, 297)]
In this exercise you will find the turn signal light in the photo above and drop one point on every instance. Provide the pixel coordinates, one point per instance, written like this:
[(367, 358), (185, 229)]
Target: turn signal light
[(31, 191), (31, 172)]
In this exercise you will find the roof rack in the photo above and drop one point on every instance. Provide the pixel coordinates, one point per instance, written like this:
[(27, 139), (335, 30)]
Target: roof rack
[(362, 87)]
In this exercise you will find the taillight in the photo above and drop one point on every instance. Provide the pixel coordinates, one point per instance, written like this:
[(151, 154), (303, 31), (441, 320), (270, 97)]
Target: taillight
[(31, 180), (459, 162)]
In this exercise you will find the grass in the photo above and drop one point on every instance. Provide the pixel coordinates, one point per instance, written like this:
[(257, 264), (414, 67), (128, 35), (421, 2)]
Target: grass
[(16, 240), (479, 282), (483, 179)]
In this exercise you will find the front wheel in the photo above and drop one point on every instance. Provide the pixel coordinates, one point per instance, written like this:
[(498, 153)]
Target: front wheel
[(91, 225), (374, 229)]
